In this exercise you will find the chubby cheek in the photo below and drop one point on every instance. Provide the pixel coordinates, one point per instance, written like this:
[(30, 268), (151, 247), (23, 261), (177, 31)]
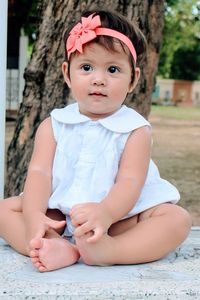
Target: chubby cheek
[(119, 94), (78, 88)]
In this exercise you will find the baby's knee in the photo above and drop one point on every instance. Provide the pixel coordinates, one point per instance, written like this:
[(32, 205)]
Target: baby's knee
[(10, 205), (3, 210), (2, 206), (181, 219)]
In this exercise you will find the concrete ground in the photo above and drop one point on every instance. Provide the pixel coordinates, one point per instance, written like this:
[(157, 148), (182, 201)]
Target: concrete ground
[(177, 276)]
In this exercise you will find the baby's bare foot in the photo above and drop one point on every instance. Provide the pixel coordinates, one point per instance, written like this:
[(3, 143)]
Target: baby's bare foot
[(100, 253), (52, 254)]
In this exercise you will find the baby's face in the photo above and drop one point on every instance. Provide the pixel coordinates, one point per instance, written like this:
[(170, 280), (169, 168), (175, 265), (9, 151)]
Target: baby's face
[(100, 79)]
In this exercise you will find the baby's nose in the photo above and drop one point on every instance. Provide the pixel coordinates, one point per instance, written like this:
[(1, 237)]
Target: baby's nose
[(99, 79)]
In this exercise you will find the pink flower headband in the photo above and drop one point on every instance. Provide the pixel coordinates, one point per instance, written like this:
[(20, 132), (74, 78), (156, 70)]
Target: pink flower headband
[(87, 30)]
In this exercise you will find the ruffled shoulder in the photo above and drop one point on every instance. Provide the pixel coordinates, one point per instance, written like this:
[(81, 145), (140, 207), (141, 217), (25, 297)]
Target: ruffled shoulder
[(123, 121), (69, 114)]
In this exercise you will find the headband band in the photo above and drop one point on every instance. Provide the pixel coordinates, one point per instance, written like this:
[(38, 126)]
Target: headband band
[(88, 29)]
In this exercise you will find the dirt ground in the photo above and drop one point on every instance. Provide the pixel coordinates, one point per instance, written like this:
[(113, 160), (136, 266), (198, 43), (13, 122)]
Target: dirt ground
[(176, 151)]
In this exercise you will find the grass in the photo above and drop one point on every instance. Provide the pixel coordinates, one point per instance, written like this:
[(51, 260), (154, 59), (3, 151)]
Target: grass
[(175, 112)]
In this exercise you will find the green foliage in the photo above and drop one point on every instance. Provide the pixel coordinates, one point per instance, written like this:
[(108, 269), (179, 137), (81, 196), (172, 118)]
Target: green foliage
[(31, 24), (27, 13), (186, 63), (181, 40)]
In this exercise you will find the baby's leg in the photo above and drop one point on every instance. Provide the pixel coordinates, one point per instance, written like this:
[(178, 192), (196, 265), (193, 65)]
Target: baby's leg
[(144, 238), (12, 227), (52, 252)]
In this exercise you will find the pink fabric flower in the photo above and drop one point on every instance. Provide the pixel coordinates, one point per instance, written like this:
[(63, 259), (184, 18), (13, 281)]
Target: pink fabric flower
[(82, 33)]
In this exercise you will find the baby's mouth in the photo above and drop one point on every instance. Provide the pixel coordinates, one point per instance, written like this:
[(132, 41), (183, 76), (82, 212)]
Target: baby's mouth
[(97, 94)]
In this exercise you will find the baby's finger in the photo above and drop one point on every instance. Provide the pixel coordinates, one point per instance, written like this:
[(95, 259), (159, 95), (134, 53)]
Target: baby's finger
[(41, 233), (82, 229), (78, 219), (56, 224), (98, 233)]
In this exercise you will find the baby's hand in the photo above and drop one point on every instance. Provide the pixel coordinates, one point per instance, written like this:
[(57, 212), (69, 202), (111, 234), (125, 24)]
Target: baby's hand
[(38, 225), (89, 217)]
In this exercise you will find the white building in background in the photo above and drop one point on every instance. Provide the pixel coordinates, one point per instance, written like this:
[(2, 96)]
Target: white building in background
[(12, 89), (14, 78), (196, 93), (176, 92), (165, 90)]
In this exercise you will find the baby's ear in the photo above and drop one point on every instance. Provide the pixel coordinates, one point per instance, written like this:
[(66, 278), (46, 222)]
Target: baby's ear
[(65, 72), (134, 83)]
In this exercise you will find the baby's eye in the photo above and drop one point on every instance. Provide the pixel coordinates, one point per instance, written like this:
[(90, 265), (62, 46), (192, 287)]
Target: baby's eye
[(86, 68), (113, 69)]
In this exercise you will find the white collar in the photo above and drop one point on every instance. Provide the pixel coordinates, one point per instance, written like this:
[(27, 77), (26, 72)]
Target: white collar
[(124, 120)]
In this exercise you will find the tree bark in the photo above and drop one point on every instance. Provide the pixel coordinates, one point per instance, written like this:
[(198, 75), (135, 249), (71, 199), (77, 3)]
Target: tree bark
[(44, 84)]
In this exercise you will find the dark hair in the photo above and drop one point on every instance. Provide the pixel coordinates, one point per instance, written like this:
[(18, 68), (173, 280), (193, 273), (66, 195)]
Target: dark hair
[(118, 22)]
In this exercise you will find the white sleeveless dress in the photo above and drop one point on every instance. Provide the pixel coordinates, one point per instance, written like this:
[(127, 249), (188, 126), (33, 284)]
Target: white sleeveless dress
[(87, 159)]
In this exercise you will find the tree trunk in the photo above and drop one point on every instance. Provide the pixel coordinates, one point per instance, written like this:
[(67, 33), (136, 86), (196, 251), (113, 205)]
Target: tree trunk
[(44, 84)]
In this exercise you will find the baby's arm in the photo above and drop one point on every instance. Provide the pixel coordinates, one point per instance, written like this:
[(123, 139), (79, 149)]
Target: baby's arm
[(125, 192), (37, 189), (131, 175)]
